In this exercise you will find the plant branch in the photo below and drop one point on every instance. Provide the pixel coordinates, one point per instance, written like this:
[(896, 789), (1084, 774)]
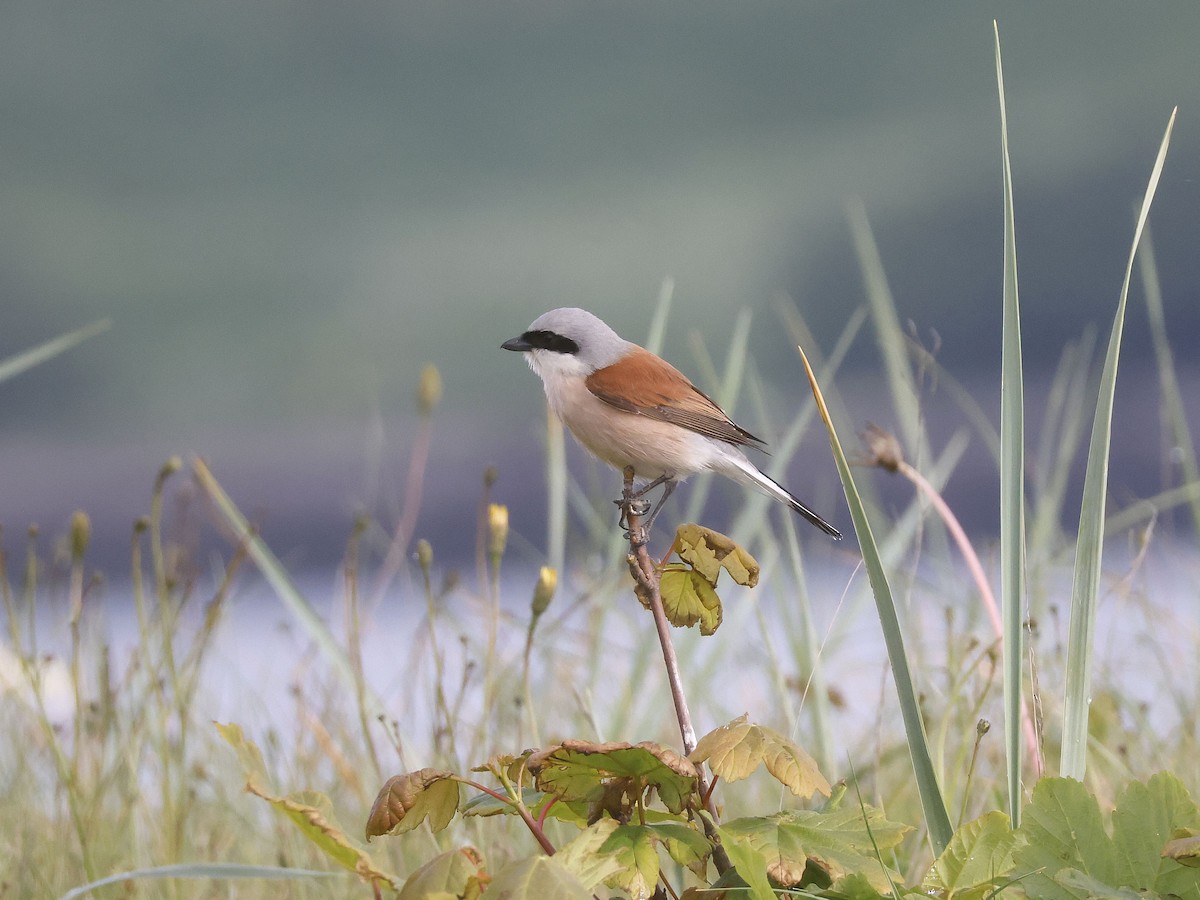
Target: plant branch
[(646, 574)]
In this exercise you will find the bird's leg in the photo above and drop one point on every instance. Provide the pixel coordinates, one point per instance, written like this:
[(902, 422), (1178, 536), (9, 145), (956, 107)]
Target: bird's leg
[(669, 486), (637, 505)]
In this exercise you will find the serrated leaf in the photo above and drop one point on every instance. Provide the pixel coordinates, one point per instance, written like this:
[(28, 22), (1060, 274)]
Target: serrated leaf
[(453, 873), (977, 860), (837, 843), (584, 770), (1146, 817), (634, 848), (312, 814), (689, 598), (406, 800), (854, 887), (537, 878), (1061, 828), (736, 749), (685, 844), (583, 858), (710, 551)]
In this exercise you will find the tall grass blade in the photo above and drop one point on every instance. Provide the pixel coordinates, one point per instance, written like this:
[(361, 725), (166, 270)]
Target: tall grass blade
[(198, 870), (1012, 475), (1089, 547), (893, 345), (932, 803), (15, 365), (277, 576), (1174, 416)]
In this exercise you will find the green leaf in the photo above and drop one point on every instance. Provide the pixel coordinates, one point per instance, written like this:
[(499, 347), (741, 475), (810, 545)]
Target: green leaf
[(1089, 547), (709, 551), (684, 843), (736, 749), (1061, 829), (537, 878), (1012, 474), (583, 770), (837, 843), (749, 862), (1064, 850), (978, 859), (1146, 817), (932, 802), (406, 800), (689, 598), (453, 873)]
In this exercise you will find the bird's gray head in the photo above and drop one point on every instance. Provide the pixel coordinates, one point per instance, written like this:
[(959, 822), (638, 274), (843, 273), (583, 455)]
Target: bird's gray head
[(569, 340)]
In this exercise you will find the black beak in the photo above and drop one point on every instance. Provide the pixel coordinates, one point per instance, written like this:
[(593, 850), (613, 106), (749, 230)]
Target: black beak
[(518, 344)]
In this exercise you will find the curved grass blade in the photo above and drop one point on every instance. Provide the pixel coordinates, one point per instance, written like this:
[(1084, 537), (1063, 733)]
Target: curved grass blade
[(1012, 475), (1172, 398), (1089, 547), (198, 870), (15, 365), (296, 603), (932, 802)]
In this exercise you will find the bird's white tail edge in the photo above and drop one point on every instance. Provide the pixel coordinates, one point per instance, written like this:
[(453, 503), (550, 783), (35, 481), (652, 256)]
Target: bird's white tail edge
[(743, 471)]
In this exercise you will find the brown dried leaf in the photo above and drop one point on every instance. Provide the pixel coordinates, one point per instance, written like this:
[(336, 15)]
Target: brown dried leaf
[(405, 801)]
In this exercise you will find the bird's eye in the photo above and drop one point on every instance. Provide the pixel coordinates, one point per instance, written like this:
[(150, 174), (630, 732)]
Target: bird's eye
[(550, 340)]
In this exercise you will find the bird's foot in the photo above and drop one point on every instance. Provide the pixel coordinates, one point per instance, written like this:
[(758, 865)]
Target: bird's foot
[(638, 508)]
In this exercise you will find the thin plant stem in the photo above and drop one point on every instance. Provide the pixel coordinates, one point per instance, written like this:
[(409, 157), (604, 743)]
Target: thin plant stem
[(646, 574)]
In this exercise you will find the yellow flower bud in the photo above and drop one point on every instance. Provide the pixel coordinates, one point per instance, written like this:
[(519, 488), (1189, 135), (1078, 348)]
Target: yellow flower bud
[(543, 591), (81, 533), (429, 394), (497, 529)]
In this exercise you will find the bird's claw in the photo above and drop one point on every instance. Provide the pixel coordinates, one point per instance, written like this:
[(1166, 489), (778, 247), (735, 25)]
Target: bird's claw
[(638, 507)]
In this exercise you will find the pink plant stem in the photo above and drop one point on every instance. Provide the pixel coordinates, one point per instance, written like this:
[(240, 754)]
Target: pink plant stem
[(985, 591)]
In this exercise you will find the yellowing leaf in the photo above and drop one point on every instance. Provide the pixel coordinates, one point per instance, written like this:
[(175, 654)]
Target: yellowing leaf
[(455, 873), (537, 878), (253, 768), (709, 551), (633, 847), (735, 750), (688, 598), (311, 812), (405, 801), (582, 857), (1184, 850)]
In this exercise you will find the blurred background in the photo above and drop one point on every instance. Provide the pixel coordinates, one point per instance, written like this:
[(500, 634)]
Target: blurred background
[(288, 209)]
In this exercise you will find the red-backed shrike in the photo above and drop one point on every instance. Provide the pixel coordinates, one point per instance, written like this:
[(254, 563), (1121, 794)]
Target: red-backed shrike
[(632, 408)]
